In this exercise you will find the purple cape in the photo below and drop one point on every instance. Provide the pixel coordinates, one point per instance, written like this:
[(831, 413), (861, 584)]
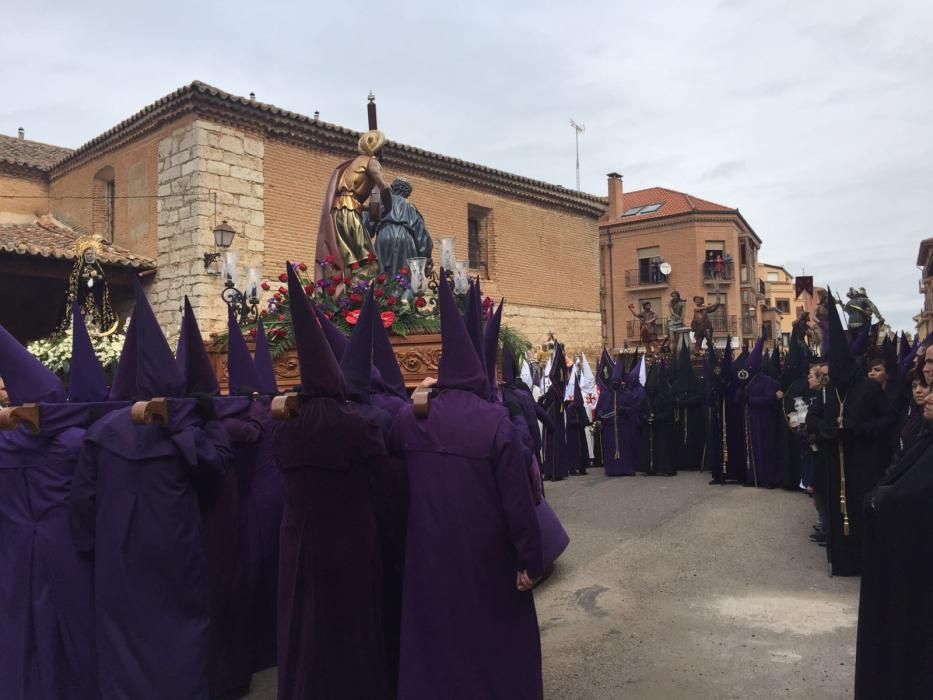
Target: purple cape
[(619, 410), (471, 527), (134, 503)]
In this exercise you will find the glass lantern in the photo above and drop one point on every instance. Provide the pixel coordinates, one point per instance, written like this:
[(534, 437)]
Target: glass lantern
[(461, 278), (253, 280), (417, 265), (448, 259), (229, 269)]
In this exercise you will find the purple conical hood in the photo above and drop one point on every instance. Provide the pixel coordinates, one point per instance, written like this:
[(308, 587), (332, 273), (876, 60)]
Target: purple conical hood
[(604, 369), (491, 347), (262, 360), (903, 349), (147, 367), (86, 379), (357, 361), (460, 366), (192, 358), (632, 378), (618, 372), (26, 379), (725, 364), (578, 394), (473, 319), (320, 373), (558, 374), (241, 372), (754, 360), (386, 362), (508, 366), (335, 338)]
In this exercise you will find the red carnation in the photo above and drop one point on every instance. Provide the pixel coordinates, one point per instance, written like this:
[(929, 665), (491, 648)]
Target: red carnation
[(302, 267), (281, 317), (309, 289), (283, 290), (391, 301), (354, 266), (336, 279), (356, 298), (371, 256), (265, 286), (404, 270), (421, 302), (352, 317), (348, 279), (264, 313), (283, 277), (379, 292), (328, 259), (380, 278), (388, 318), (331, 291), (277, 296), (252, 333)]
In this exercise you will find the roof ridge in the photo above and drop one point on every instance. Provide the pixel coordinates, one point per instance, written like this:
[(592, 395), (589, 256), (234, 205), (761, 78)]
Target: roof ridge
[(38, 143), (197, 96)]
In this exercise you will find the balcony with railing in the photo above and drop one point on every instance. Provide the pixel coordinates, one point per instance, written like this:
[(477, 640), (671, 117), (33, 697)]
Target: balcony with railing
[(724, 324), (647, 275), (749, 324), (718, 271), (633, 328)]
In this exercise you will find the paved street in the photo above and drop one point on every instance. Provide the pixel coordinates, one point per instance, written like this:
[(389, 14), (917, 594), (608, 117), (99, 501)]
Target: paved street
[(672, 588)]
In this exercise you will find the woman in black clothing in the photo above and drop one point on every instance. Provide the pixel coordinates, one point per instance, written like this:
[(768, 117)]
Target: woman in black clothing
[(913, 425)]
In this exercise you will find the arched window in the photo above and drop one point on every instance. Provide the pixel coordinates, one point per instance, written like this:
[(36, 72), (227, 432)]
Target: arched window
[(103, 211)]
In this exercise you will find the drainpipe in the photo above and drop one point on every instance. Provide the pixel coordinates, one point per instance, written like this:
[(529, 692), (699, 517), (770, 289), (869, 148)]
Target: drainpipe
[(612, 298)]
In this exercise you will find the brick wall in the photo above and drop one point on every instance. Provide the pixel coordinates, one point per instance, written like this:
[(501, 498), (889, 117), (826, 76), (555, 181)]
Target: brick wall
[(682, 243), (135, 171), (22, 198)]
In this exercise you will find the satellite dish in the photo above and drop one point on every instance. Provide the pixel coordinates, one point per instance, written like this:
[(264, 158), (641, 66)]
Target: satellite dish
[(665, 268)]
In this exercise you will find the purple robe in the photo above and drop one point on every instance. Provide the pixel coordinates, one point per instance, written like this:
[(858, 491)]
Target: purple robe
[(330, 608), (260, 488), (619, 413), (467, 632), (555, 446), (46, 586), (134, 502), (764, 412)]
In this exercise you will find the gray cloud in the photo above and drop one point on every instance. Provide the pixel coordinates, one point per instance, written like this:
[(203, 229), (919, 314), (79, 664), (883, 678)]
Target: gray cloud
[(828, 112)]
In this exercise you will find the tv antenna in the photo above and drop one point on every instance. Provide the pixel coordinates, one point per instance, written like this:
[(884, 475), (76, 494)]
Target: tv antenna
[(578, 129)]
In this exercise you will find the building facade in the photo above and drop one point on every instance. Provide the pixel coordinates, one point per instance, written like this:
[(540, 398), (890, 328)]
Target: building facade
[(779, 308), (657, 241), (157, 184), (924, 319)]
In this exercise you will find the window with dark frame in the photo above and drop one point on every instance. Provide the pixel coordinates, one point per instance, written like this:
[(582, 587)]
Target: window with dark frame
[(478, 226), (474, 244), (109, 210), (783, 305)]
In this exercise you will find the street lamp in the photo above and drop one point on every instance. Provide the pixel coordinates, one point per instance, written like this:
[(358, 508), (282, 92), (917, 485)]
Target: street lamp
[(224, 234)]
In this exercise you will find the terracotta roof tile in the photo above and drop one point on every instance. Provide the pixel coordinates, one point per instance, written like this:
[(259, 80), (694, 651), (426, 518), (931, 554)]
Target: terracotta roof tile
[(46, 237), (30, 154), (672, 202)]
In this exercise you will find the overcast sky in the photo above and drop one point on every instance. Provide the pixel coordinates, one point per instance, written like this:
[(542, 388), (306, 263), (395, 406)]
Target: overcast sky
[(813, 118)]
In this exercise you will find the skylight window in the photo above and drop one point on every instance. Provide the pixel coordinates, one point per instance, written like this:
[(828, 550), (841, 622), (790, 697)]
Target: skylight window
[(645, 209)]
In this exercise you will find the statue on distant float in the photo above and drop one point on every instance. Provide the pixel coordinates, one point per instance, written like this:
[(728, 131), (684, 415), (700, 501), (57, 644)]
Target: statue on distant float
[(701, 325), (860, 310), (648, 328), (401, 233)]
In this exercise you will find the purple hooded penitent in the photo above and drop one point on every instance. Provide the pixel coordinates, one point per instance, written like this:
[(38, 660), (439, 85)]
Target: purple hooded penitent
[(46, 588), (491, 350), (763, 412), (230, 658), (471, 519), (134, 506), (618, 411), (555, 448), (330, 617), (261, 497)]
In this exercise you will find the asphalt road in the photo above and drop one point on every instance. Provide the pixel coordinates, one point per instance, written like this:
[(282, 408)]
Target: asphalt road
[(671, 588)]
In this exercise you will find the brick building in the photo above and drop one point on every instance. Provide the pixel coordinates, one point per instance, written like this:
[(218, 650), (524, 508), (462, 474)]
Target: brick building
[(655, 241), (155, 186), (778, 308), (924, 319)]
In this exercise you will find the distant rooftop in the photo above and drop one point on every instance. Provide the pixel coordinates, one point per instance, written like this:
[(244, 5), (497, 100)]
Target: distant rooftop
[(30, 154)]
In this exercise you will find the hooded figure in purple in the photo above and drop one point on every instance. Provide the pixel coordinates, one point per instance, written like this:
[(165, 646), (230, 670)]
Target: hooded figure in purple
[(230, 659), (578, 452), (763, 413), (555, 440), (134, 504), (46, 586), (619, 412), (260, 487), (469, 627), (689, 414), (330, 608)]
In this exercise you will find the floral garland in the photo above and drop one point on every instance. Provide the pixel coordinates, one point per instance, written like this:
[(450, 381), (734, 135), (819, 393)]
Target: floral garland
[(54, 351)]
